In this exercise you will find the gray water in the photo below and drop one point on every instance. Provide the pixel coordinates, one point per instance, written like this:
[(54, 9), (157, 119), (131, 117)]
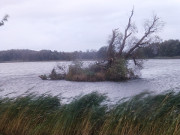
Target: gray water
[(22, 78)]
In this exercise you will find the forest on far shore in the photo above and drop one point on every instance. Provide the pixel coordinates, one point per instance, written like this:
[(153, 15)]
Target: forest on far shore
[(166, 49)]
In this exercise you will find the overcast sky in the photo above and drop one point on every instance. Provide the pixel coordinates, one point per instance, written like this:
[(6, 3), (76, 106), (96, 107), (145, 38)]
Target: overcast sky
[(68, 25)]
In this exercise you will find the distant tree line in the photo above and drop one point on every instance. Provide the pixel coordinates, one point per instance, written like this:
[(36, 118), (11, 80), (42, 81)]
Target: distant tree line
[(44, 55), (169, 48)]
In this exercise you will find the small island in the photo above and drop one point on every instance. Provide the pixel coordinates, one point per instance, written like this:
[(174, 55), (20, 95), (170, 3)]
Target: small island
[(122, 46)]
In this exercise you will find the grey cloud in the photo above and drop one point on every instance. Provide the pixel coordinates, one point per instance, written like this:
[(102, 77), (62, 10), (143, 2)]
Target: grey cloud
[(77, 24)]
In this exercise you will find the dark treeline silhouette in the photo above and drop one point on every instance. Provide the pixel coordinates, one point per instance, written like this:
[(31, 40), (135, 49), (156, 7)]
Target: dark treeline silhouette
[(169, 48), (44, 55)]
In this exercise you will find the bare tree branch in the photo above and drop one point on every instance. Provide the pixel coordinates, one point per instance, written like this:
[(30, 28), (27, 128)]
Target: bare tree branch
[(126, 35), (150, 29), (111, 43), (4, 19)]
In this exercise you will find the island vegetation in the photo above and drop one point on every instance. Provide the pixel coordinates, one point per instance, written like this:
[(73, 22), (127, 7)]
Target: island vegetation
[(122, 46)]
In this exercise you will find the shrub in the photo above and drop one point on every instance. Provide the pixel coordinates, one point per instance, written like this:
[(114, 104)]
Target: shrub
[(118, 70), (56, 76), (53, 76), (43, 77), (100, 76), (75, 71), (92, 73)]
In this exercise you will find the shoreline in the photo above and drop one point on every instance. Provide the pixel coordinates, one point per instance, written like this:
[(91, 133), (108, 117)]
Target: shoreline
[(161, 58)]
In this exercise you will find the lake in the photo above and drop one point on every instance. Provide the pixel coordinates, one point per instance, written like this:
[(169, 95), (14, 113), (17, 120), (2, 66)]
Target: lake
[(21, 78)]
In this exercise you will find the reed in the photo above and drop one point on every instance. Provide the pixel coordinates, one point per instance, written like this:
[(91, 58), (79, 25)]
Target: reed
[(144, 114)]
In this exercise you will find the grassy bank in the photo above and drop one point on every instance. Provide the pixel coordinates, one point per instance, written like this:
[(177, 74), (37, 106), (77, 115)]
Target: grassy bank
[(144, 114)]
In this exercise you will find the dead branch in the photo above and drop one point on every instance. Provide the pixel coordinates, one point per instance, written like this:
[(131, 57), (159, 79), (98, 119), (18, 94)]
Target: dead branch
[(126, 35), (4, 19), (152, 28), (111, 43)]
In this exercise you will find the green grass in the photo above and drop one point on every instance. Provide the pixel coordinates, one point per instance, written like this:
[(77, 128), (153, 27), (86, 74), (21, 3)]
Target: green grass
[(144, 114)]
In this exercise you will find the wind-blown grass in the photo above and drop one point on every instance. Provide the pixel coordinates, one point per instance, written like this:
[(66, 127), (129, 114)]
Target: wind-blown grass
[(144, 114)]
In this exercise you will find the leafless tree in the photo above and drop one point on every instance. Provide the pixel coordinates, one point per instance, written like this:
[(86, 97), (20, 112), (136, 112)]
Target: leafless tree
[(127, 42)]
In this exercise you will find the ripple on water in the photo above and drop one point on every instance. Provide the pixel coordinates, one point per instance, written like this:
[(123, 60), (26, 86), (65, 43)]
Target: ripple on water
[(18, 78)]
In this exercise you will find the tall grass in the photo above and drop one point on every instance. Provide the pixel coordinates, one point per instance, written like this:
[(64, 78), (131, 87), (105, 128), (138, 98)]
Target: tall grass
[(144, 114)]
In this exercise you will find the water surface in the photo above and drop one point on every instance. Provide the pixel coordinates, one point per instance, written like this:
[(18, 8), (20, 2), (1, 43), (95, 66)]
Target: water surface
[(22, 78)]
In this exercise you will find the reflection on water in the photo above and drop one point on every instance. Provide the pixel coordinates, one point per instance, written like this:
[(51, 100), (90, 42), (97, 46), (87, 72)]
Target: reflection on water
[(19, 78)]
